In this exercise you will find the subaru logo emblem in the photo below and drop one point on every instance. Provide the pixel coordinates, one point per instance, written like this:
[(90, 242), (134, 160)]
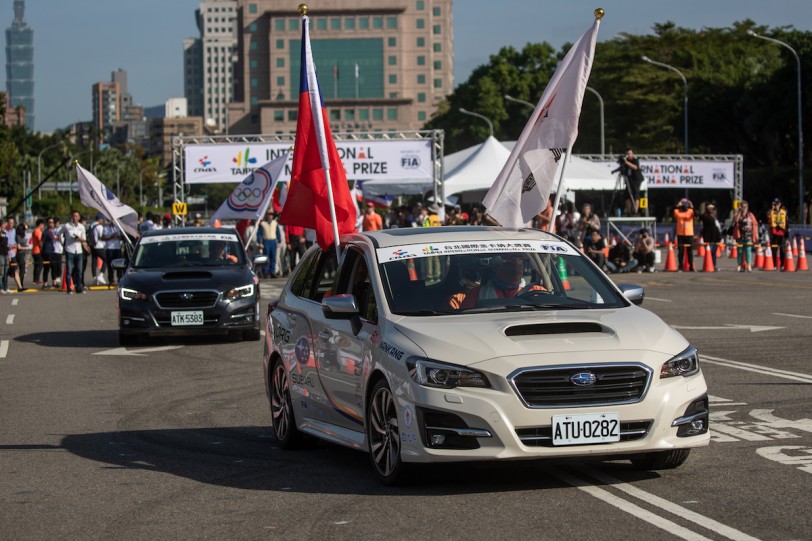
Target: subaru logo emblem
[(186, 296), (583, 378)]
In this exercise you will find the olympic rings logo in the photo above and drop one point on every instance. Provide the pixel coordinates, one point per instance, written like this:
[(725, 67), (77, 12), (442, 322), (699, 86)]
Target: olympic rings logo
[(247, 193)]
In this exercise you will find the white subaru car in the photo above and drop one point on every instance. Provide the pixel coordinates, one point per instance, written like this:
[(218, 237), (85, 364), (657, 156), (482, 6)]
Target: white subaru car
[(476, 343)]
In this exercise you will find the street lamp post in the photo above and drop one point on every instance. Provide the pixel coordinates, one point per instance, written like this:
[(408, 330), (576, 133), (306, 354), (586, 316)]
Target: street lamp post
[(801, 216), (685, 87), (141, 183), (471, 113), (39, 161), (600, 101), (517, 100)]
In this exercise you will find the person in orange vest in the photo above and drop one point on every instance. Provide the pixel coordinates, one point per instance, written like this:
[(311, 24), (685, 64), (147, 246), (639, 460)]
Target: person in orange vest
[(372, 220), (684, 218), (777, 220), (745, 231), (507, 282)]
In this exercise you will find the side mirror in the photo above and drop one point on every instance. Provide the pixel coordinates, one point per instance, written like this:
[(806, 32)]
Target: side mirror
[(260, 260), (342, 307), (634, 293), (339, 307), (119, 264)]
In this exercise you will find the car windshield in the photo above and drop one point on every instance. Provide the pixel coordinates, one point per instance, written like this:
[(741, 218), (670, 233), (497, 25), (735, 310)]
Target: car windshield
[(477, 277), (197, 250)]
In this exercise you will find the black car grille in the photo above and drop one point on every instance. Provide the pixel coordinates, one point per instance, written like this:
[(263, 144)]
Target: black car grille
[(186, 299), (542, 436), (553, 387)]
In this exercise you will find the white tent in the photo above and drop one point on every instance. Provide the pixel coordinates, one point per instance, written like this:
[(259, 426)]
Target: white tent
[(470, 172)]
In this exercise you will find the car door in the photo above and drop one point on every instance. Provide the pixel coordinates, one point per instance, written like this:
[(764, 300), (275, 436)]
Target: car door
[(344, 356)]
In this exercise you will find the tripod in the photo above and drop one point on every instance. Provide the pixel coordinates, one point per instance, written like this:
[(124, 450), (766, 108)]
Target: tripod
[(620, 179)]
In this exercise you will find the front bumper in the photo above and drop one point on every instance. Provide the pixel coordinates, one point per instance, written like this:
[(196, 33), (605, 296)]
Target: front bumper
[(146, 318), (488, 424)]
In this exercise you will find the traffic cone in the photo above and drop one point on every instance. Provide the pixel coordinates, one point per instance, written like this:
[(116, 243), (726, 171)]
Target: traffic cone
[(65, 280), (665, 242), (734, 253), (768, 260), (795, 247), (759, 257), (789, 262), (802, 266), (670, 260), (412, 271), (719, 250), (562, 273), (708, 265), (700, 250), (686, 253)]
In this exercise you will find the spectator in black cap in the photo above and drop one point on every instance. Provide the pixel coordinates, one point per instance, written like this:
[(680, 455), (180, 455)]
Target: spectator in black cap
[(779, 232)]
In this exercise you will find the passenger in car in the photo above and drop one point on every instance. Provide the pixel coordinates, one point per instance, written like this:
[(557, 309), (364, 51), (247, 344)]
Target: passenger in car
[(506, 282)]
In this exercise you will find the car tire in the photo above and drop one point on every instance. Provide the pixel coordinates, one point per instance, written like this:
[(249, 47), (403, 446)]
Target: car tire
[(283, 421), (383, 436), (127, 339), (252, 335), (663, 460)]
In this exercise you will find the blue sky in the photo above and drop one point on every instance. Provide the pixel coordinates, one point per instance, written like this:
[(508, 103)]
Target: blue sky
[(80, 42)]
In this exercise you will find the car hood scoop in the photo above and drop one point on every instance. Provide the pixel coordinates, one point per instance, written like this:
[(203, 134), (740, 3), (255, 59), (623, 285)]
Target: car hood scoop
[(187, 275), (570, 327)]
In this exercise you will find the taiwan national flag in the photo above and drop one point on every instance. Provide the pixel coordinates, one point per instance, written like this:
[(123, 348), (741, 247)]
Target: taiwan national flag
[(315, 160)]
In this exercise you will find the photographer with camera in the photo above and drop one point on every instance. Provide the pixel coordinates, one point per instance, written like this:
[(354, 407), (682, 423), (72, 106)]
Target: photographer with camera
[(684, 218), (630, 169)]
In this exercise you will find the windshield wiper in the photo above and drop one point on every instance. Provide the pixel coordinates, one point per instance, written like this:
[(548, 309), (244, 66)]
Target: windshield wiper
[(423, 313)]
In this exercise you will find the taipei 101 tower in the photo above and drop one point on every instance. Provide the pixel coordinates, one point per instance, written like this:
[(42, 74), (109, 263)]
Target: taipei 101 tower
[(20, 63)]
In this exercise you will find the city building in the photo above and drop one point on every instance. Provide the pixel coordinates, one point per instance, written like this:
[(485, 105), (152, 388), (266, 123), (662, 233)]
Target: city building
[(20, 63), (176, 108), (106, 109), (131, 127), (162, 130), (207, 61), (12, 116), (383, 65)]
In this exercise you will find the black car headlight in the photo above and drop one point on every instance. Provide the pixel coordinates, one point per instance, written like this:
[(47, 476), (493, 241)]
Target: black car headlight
[(684, 364), (127, 294), (446, 376), (240, 292)]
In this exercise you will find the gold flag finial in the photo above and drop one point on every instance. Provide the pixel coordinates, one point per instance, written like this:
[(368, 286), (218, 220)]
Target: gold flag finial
[(302, 9), (599, 14)]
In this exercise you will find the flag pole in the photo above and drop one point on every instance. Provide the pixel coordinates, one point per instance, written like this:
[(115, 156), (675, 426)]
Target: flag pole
[(559, 190), (273, 187)]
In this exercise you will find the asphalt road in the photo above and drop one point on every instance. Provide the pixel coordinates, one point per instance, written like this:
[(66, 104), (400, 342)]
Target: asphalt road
[(171, 440)]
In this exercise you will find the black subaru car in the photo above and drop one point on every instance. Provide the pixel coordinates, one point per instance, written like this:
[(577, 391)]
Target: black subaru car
[(185, 281)]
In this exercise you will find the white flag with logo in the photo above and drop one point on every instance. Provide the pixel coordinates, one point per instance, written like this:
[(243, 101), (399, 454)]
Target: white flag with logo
[(251, 197), (523, 186), (93, 193)]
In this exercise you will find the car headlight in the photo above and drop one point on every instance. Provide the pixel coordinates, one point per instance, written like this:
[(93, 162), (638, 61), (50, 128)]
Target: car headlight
[(446, 376), (240, 292), (131, 295), (684, 364)]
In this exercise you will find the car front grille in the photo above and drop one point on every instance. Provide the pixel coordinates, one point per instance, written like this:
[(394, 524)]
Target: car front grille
[(553, 387), (186, 299), (542, 436)]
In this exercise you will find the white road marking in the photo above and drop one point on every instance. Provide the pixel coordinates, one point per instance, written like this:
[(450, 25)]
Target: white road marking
[(738, 433), (14, 302), (791, 315), (635, 510), (3, 349), (10, 319), (142, 351), (671, 507), (729, 327), (658, 300), (786, 374)]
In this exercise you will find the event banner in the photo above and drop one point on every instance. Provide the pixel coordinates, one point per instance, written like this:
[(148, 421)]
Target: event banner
[(397, 159), (692, 174)]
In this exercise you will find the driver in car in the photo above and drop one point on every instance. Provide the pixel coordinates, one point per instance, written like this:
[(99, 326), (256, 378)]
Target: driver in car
[(218, 253), (506, 282)]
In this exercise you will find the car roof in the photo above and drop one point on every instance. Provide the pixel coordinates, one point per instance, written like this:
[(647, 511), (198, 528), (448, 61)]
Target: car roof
[(189, 230), (465, 233)]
